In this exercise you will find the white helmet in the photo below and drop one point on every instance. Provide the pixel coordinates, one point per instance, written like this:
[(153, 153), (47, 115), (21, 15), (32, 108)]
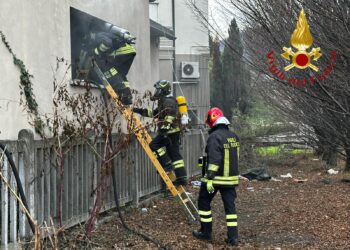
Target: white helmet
[(222, 120)]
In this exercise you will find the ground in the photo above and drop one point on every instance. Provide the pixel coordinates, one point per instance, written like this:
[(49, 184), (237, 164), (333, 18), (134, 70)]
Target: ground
[(286, 214)]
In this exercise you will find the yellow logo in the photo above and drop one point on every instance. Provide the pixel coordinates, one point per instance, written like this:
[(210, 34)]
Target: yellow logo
[(301, 40)]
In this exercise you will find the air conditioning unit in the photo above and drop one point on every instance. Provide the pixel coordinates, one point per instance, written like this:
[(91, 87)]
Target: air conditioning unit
[(189, 70)]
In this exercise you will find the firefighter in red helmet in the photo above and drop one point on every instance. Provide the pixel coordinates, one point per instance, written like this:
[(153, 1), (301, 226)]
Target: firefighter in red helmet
[(221, 174)]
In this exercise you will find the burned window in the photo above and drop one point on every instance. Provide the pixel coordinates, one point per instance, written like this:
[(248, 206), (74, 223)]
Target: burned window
[(83, 30)]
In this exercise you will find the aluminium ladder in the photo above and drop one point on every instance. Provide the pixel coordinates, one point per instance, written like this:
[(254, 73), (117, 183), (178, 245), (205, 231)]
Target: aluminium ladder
[(145, 139)]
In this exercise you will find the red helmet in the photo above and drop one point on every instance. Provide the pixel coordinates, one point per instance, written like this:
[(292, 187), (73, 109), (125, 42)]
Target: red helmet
[(213, 115)]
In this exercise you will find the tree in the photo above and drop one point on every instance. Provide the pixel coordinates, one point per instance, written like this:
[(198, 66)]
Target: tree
[(325, 105), (216, 79), (235, 74)]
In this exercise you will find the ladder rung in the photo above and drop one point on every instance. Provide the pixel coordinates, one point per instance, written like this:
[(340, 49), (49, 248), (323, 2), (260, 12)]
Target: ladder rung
[(180, 189), (172, 176)]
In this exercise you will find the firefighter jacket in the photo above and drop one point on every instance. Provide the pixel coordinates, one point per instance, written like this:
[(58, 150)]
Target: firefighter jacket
[(167, 114), (222, 157), (110, 45)]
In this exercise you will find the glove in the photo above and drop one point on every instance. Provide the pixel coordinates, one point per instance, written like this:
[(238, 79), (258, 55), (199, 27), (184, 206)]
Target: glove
[(163, 133), (210, 187), (128, 38), (137, 110), (184, 120)]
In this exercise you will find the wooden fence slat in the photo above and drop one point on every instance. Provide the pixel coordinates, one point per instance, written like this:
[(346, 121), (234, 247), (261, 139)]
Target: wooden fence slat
[(22, 217), (65, 183), (13, 206), (70, 187), (80, 178), (4, 206), (88, 165), (39, 186), (76, 174), (53, 186), (42, 186), (136, 173), (58, 202), (47, 184)]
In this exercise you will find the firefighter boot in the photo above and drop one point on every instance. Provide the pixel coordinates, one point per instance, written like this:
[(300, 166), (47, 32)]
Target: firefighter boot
[(181, 176), (205, 232), (125, 96), (181, 181), (166, 163), (168, 167), (201, 235), (232, 236)]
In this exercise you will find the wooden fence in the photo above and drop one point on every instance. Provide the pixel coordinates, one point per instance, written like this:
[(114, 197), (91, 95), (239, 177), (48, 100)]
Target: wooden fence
[(43, 181)]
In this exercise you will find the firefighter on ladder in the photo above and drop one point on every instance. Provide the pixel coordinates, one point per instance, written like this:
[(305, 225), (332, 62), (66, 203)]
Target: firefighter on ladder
[(166, 144), (113, 51), (221, 174)]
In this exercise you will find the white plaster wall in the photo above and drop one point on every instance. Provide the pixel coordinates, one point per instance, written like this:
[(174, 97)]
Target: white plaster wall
[(39, 31), (192, 37), (154, 59), (165, 13), (153, 11)]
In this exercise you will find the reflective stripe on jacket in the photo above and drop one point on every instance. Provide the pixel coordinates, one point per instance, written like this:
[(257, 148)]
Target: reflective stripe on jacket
[(110, 45), (167, 114), (223, 153)]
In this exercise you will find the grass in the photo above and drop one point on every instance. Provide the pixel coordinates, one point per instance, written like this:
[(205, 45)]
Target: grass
[(269, 151), (281, 150), (261, 120)]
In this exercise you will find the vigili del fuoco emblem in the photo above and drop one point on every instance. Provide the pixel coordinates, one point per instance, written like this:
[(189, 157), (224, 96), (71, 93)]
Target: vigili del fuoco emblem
[(301, 40)]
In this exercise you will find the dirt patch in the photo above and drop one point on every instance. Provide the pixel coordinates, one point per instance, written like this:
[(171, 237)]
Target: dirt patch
[(286, 214)]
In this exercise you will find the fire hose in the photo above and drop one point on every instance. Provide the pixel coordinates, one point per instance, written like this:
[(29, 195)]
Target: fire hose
[(19, 184)]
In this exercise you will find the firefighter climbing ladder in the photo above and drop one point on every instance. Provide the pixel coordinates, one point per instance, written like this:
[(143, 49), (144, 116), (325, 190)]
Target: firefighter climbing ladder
[(145, 139)]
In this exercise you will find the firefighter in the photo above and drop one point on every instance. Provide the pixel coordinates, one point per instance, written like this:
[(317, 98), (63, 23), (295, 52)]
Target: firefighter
[(221, 174), (166, 144), (114, 54)]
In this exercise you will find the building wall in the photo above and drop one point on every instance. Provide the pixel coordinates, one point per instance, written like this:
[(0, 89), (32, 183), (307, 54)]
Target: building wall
[(192, 36), (39, 31), (166, 46), (165, 12), (166, 59), (191, 45), (196, 92), (154, 59)]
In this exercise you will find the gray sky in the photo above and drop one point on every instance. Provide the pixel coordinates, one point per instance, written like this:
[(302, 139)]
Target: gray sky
[(219, 19)]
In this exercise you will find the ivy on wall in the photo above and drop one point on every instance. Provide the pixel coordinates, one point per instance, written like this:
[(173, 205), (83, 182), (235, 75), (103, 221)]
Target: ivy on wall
[(26, 86)]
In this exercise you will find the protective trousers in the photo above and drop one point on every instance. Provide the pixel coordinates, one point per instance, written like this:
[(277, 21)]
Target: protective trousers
[(228, 196), (115, 69), (166, 148)]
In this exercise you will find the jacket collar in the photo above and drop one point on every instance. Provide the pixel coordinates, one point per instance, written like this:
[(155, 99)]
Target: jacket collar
[(220, 126)]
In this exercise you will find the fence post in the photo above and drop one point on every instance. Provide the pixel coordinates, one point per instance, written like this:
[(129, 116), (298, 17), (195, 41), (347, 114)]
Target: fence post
[(26, 153)]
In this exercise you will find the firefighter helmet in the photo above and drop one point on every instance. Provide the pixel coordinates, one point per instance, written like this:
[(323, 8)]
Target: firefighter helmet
[(213, 115), (163, 88)]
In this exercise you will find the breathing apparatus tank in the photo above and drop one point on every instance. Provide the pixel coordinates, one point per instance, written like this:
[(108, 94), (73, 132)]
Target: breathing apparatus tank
[(181, 101)]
